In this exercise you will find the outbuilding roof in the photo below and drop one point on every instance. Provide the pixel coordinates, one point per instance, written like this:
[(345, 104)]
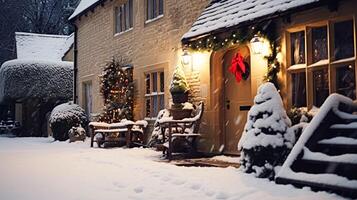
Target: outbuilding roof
[(41, 46), (221, 14)]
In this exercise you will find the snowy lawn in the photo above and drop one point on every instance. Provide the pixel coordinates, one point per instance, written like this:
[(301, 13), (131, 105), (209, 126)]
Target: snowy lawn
[(37, 168)]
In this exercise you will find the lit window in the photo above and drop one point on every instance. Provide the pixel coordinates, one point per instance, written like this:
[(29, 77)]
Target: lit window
[(299, 89), (124, 17), (155, 96)]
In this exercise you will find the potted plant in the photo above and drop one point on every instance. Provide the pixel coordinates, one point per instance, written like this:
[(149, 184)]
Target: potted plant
[(179, 90)]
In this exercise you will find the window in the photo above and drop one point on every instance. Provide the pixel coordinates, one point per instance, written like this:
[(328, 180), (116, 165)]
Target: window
[(154, 97), (319, 43), (322, 61), (297, 41), (124, 17), (320, 86), (299, 89), (87, 96), (155, 8)]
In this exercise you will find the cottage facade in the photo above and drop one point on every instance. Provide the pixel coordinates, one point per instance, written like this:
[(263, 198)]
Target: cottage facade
[(316, 42)]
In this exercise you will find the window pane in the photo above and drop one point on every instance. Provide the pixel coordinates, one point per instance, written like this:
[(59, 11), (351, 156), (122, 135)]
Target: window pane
[(131, 13), (148, 84), (321, 86), (154, 82), (150, 9), (155, 8), (162, 82), (299, 89), (161, 102), (155, 108), (127, 15), (319, 44), (297, 41), (117, 20), (343, 39), (147, 107), (161, 7), (345, 81)]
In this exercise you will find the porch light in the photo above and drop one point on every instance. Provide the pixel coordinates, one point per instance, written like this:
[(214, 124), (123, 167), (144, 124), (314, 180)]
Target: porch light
[(186, 57), (257, 44)]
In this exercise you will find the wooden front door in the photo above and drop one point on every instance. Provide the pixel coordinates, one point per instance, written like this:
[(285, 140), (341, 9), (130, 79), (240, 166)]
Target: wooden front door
[(237, 100)]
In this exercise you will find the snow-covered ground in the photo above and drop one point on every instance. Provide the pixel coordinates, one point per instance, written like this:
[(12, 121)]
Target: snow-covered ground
[(37, 168)]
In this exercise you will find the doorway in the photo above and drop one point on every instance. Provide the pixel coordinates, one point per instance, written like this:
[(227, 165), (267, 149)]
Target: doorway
[(237, 100)]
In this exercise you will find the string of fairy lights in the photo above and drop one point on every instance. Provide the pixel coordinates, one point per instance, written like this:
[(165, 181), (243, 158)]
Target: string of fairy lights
[(242, 36), (117, 89)]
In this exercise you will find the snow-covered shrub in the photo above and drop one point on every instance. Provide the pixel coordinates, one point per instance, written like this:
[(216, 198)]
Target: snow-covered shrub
[(156, 135), (298, 115), (45, 80), (64, 117), (77, 134), (266, 140)]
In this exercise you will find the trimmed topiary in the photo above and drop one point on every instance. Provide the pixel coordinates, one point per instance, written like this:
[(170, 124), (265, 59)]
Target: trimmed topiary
[(64, 117)]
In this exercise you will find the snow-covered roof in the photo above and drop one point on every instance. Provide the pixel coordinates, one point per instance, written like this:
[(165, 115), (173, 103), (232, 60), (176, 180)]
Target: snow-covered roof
[(228, 13), (82, 6), (42, 79), (41, 46)]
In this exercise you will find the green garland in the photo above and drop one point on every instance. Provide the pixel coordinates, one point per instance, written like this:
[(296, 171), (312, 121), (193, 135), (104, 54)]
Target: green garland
[(243, 35)]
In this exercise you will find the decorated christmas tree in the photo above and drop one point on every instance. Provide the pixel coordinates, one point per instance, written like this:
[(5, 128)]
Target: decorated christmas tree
[(266, 139), (117, 90)]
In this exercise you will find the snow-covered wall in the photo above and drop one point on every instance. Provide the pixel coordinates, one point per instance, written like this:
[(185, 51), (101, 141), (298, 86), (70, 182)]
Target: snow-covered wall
[(45, 80)]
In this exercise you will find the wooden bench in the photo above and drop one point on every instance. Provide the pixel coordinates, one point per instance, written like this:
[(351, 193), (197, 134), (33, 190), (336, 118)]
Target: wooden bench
[(187, 129), (105, 130)]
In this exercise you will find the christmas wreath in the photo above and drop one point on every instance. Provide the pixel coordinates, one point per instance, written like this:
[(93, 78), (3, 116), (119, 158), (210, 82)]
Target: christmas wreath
[(239, 67)]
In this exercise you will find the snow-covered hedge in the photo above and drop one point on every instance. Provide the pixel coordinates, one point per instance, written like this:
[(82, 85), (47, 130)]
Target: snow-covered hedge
[(64, 117), (36, 79), (266, 139)]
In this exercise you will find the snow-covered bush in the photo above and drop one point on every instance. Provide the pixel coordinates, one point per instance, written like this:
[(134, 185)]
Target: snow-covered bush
[(45, 80), (266, 139), (77, 134), (156, 135), (298, 115), (64, 117)]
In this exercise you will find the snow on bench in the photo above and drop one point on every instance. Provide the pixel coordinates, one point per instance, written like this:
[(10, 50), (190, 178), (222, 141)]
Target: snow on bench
[(352, 125)]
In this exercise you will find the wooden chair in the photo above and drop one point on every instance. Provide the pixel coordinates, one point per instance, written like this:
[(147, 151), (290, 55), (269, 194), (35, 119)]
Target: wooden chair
[(187, 129)]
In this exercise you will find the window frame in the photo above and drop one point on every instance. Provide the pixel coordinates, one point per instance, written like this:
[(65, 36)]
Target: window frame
[(153, 94), (330, 63), (126, 22), (155, 11)]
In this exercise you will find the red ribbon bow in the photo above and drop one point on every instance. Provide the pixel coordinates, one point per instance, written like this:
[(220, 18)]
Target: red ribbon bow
[(238, 67)]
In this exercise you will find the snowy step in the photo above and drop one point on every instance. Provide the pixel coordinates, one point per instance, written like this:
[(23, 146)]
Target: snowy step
[(352, 125), (335, 131), (318, 182), (336, 146)]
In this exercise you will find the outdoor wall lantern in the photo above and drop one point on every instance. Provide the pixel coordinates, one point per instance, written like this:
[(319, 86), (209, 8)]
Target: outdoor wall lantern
[(257, 44), (186, 57)]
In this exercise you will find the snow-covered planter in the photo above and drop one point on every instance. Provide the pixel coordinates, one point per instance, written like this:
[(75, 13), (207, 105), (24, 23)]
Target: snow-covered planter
[(77, 134), (266, 139), (64, 117), (45, 80)]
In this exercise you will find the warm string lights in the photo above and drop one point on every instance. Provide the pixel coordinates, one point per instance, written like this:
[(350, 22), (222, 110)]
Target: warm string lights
[(242, 36), (117, 90)]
